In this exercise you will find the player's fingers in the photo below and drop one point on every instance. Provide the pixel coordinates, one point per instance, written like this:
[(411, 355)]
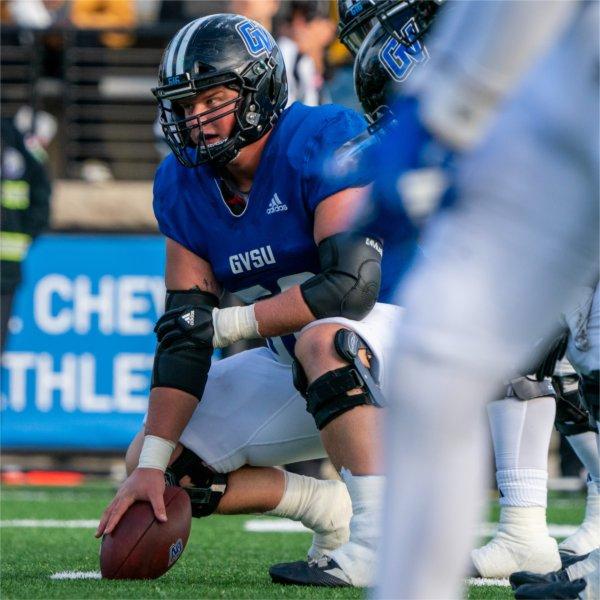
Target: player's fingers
[(158, 505), (103, 520), (119, 508)]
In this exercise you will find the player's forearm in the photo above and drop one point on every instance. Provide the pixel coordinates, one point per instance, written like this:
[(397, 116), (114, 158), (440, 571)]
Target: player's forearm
[(169, 412), (282, 314)]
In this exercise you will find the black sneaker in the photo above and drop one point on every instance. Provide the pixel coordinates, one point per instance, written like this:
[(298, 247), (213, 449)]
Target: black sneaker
[(559, 590), (325, 573), (523, 577)]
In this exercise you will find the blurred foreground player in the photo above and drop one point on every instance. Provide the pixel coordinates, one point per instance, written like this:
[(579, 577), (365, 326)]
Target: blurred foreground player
[(501, 265), (245, 208)]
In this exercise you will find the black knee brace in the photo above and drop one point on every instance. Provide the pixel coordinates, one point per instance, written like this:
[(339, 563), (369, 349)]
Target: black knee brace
[(207, 488), (327, 397), (590, 385), (572, 416)]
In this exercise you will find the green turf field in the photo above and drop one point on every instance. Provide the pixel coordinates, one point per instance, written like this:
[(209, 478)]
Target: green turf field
[(221, 560)]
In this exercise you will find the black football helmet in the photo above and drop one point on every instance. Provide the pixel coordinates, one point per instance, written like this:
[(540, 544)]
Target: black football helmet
[(358, 17), (222, 49), (381, 66)]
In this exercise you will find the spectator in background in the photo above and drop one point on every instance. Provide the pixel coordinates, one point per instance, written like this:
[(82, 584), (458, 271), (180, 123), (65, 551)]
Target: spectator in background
[(262, 11), (106, 14), (25, 203), (303, 80), (34, 14)]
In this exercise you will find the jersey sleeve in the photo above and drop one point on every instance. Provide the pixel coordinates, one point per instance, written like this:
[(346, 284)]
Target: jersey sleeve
[(171, 211), (318, 179)]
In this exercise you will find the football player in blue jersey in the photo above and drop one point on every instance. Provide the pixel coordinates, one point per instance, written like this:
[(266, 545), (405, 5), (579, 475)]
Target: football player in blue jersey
[(245, 208)]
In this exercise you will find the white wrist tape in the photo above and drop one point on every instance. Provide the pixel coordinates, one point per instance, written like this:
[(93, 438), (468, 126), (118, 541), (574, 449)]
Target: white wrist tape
[(234, 324), (155, 453)]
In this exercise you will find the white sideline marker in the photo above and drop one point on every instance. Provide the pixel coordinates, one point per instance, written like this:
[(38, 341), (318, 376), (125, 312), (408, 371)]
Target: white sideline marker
[(76, 575)]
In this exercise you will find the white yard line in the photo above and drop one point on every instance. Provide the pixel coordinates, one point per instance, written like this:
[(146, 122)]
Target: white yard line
[(285, 525), (485, 582), (260, 525), (52, 523), (77, 575)]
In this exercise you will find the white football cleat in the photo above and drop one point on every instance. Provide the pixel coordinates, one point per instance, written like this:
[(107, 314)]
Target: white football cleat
[(521, 543)]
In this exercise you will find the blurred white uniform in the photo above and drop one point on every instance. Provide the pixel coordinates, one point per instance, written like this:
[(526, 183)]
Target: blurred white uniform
[(505, 262)]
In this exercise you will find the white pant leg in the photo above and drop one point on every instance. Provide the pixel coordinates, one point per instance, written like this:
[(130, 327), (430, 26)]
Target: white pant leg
[(501, 268), (251, 413), (378, 331)]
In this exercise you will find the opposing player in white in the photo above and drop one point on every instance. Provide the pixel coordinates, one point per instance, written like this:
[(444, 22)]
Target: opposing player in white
[(501, 265), (581, 577)]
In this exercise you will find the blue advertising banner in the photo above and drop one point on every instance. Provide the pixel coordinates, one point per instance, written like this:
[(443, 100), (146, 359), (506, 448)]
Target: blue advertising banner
[(76, 372)]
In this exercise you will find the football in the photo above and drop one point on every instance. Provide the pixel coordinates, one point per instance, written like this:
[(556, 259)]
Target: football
[(140, 547)]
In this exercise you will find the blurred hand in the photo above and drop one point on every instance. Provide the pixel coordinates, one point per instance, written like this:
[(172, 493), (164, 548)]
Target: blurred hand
[(143, 484)]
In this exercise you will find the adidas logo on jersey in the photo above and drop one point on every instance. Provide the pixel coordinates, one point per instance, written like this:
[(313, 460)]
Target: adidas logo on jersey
[(276, 205)]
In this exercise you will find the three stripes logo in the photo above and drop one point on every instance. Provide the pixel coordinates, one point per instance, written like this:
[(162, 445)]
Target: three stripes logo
[(189, 318), (276, 205)]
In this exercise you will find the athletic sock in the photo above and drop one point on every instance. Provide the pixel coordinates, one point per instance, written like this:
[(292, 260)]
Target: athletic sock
[(321, 505), (521, 433), (585, 446), (357, 557), (587, 535)]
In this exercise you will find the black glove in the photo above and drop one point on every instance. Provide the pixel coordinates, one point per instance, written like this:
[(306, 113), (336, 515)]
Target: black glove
[(188, 326)]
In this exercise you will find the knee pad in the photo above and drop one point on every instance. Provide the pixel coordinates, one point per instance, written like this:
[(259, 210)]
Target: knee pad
[(207, 488), (572, 416), (528, 387), (327, 397), (590, 385)]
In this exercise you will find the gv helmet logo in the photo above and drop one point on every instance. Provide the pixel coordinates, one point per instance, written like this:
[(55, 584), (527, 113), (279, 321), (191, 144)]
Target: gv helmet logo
[(255, 38), (400, 60)]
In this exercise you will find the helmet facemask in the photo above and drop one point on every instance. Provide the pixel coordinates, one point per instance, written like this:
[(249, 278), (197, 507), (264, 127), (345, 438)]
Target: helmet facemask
[(178, 130), (246, 129)]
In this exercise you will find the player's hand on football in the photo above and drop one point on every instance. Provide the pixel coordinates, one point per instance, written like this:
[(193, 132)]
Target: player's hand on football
[(143, 484)]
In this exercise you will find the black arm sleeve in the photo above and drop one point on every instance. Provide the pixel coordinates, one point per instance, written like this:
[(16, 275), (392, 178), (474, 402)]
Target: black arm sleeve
[(184, 333)]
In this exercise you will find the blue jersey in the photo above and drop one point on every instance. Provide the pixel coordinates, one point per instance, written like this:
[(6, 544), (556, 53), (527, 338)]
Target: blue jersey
[(270, 246)]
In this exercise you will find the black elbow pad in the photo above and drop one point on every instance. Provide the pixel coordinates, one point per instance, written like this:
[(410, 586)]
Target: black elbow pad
[(350, 278), (184, 335)]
